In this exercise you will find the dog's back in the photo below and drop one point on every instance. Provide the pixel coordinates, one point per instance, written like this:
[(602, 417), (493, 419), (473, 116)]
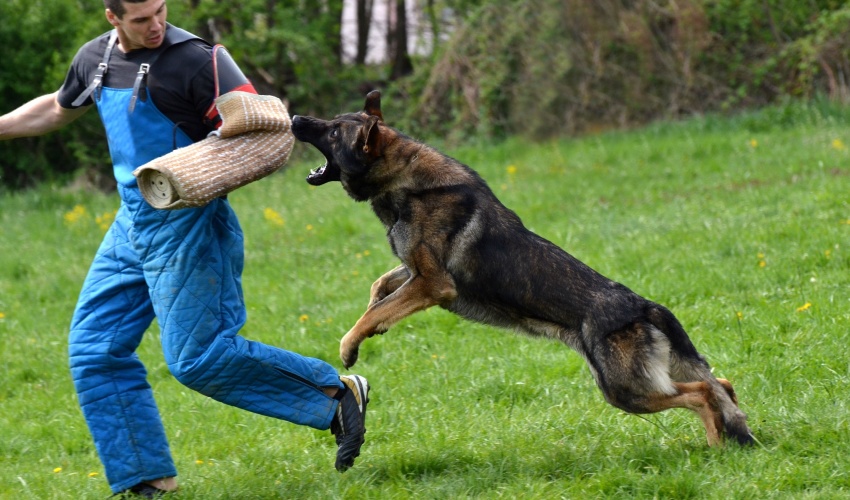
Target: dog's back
[(527, 277)]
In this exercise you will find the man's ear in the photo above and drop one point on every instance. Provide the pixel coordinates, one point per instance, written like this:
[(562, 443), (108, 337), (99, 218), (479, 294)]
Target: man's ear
[(112, 18), (372, 140)]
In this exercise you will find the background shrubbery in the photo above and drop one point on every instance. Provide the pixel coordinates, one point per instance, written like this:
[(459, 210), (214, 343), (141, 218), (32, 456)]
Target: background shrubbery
[(536, 68), (553, 67)]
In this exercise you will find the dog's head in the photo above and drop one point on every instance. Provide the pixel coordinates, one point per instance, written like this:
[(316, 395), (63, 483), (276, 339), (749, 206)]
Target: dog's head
[(351, 143)]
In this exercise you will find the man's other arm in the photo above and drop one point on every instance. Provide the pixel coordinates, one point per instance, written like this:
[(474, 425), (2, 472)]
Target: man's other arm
[(38, 117)]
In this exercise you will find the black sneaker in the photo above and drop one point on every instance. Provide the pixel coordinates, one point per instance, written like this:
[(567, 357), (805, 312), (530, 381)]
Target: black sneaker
[(349, 423), (141, 490)]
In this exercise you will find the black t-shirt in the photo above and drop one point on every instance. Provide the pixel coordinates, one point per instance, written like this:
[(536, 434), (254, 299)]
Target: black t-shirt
[(180, 81)]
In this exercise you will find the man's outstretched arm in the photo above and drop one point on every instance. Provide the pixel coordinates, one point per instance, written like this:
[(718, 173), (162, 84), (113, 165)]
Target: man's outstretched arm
[(37, 117)]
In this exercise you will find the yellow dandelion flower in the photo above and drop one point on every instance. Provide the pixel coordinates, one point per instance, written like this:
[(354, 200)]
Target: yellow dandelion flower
[(105, 220), (754, 143), (199, 462), (57, 470), (739, 315), (760, 255), (2, 315), (309, 227), (804, 307), (838, 144), (74, 216), (93, 474), (365, 253), (511, 169), (762, 263), (303, 318), (273, 216), (827, 253)]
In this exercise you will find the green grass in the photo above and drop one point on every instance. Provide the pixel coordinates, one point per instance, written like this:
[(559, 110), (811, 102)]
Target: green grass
[(741, 226)]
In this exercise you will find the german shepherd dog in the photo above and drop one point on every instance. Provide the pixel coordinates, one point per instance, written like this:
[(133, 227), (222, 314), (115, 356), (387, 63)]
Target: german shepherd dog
[(464, 251)]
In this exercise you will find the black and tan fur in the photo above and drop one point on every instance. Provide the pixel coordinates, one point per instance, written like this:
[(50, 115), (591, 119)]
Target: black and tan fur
[(464, 251)]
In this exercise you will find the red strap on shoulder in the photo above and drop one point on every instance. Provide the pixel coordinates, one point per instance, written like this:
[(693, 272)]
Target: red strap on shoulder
[(228, 78)]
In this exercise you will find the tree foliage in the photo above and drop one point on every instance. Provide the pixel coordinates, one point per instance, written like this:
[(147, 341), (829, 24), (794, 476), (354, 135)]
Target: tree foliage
[(500, 67), (37, 50), (549, 67)]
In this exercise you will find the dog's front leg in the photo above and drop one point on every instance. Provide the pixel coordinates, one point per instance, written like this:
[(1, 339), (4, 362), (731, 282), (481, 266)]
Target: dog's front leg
[(388, 283), (416, 294)]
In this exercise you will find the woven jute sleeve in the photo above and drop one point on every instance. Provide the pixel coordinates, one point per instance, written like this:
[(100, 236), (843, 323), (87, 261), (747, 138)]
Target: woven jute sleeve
[(254, 140)]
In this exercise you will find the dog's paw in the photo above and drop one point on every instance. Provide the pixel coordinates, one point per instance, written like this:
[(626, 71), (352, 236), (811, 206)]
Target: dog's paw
[(348, 357), (348, 349)]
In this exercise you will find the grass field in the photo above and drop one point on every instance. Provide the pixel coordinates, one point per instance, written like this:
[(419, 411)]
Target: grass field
[(740, 226)]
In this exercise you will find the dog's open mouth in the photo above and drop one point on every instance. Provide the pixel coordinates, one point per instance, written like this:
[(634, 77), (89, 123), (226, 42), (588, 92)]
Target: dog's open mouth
[(323, 174)]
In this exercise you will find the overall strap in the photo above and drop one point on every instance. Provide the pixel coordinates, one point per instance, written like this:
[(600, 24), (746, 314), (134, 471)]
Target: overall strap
[(101, 71), (139, 84)]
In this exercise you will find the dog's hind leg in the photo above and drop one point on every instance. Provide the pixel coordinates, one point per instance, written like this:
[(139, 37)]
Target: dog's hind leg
[(687, 365), (718, 395), (640, 370), (690, 368), (697, 397), (702, 399)]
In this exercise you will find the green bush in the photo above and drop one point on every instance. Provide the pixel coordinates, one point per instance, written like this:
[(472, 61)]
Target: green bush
[(552, 67), (38, 50)]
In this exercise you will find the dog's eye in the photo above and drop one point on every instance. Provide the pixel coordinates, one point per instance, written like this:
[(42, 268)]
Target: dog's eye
[(334, 133)]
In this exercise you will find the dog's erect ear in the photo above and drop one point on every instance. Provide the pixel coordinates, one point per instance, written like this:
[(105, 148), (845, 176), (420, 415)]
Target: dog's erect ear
[(373, 104), (371, 136)]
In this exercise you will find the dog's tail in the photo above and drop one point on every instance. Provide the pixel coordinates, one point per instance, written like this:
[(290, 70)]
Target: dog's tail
[(688, 365)]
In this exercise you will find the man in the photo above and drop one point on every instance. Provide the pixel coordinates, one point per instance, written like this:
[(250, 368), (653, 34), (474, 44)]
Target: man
[(154, 85)]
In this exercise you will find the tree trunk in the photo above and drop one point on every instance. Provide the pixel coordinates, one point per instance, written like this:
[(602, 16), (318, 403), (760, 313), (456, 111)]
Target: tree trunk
[(401, 63), (364, 22)]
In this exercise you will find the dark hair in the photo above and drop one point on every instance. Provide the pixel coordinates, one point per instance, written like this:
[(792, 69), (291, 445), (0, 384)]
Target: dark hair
[(117, 6)]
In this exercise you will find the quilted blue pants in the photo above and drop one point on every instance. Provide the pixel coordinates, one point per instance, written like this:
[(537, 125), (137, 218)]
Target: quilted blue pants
[(184, 268)]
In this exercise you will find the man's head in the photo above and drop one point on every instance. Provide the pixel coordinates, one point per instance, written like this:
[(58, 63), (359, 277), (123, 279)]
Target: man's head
[(140, 23)]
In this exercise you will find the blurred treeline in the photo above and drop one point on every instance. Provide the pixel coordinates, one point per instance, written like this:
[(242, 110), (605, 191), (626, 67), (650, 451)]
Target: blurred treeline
[(536, 68)]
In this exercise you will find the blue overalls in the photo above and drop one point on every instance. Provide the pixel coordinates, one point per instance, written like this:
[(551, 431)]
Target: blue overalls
[(184, 268)]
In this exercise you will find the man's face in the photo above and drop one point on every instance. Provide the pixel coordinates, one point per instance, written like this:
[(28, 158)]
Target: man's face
[(143, 25)]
